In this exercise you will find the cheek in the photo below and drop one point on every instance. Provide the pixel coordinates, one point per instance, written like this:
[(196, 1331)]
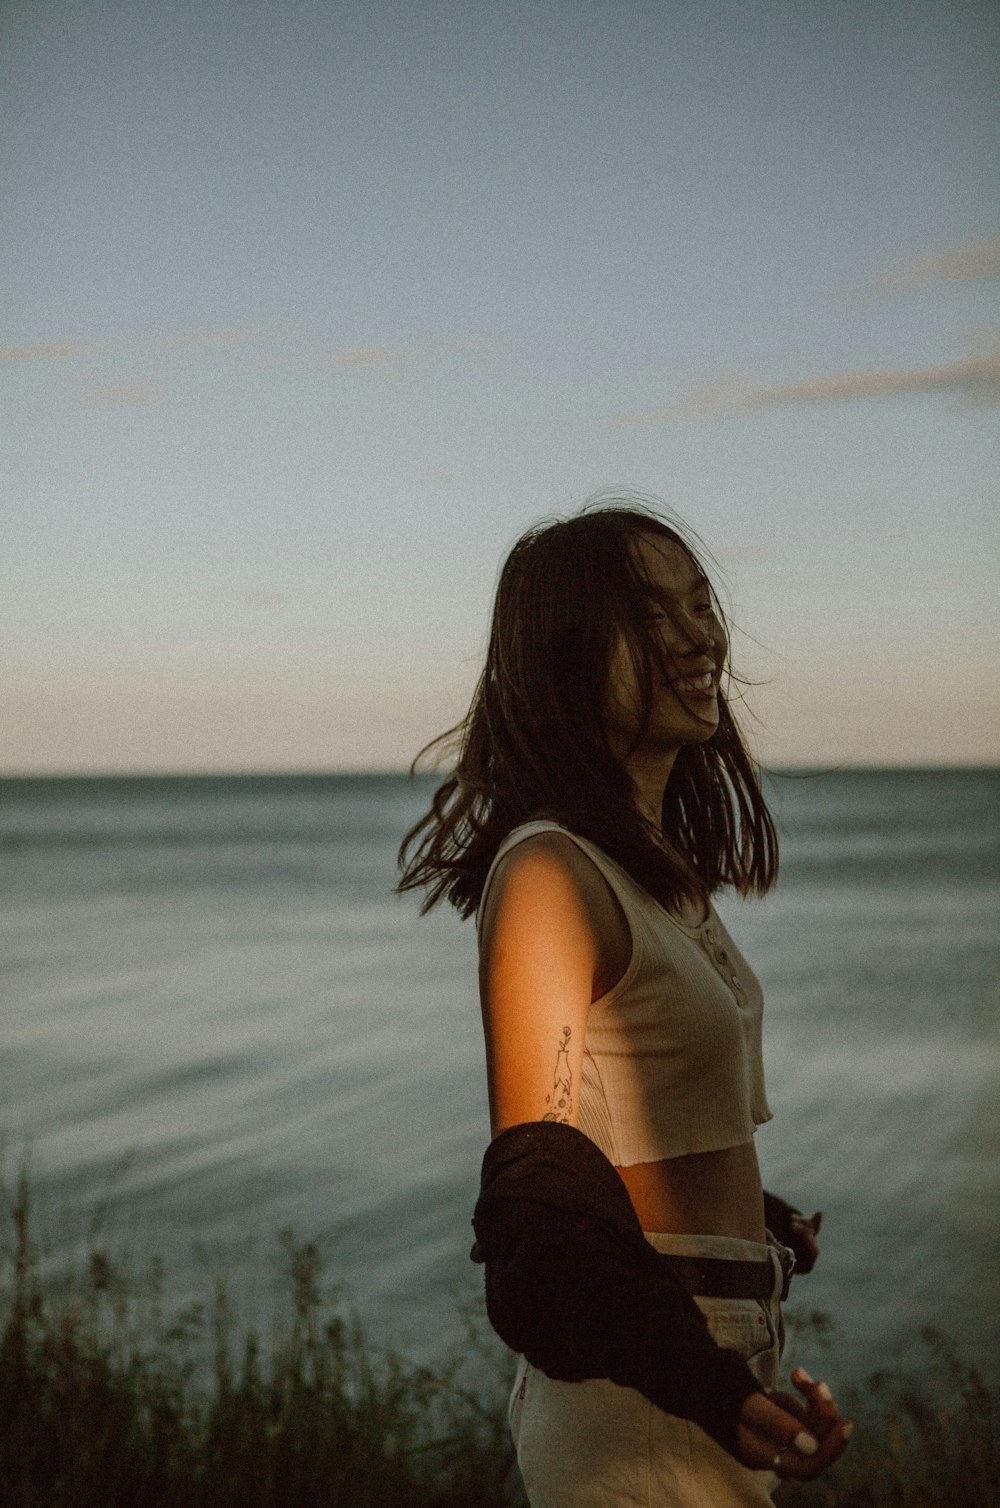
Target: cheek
[(621, 698)]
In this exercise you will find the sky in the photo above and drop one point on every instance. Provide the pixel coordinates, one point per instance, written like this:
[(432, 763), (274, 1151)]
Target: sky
[(308, 310)]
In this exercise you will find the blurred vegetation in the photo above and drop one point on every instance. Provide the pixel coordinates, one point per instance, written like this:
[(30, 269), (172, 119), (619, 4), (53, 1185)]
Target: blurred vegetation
[(920, 1441), (108, 1401)]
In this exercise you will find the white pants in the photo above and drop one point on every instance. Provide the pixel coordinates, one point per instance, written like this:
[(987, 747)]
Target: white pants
[(597, 1445)]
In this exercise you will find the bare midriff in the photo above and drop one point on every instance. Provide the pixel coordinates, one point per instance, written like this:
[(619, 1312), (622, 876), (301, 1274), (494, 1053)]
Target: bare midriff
[(703, 1194)]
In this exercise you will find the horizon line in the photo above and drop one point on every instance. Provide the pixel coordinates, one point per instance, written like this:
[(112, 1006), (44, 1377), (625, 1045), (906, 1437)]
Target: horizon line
[(395, 772)]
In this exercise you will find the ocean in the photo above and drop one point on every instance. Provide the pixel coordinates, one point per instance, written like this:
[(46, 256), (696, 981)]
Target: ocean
[(220, 1022)]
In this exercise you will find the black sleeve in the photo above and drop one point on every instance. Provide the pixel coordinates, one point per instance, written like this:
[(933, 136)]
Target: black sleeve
[(777, 1214), (579, 1303)]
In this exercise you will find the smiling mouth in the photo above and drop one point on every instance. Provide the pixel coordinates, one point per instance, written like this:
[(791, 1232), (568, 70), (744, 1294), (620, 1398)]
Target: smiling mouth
[(696, 683)]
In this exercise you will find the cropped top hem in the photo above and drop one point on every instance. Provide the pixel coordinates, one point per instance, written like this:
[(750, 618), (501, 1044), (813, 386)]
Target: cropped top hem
[(672, 1060), (701, 1149)]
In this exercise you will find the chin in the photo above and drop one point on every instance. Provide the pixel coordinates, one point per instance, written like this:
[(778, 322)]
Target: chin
[(697, 730), (675, 742)]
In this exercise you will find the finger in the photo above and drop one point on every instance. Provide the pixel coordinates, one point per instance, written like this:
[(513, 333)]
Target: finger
[(775, 1428), (758, 1453), (823, 1411), (790, 1404), (766, 1454), (789, 1463)]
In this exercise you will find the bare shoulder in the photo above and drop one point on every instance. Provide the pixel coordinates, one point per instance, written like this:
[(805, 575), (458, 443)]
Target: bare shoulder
[(546, 887), (545, 868)]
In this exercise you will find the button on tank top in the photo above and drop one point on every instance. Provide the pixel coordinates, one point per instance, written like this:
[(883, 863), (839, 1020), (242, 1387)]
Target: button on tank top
[(672, 1055)]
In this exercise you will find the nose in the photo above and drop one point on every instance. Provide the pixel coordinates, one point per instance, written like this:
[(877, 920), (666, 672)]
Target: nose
[(701, 634), (704, 639), (695, 634)]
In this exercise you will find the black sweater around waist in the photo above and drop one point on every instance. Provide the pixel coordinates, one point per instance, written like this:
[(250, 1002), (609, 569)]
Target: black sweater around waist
[(573, 1284)]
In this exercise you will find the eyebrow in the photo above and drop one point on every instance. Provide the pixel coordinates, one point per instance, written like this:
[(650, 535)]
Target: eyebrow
[(698, 583)]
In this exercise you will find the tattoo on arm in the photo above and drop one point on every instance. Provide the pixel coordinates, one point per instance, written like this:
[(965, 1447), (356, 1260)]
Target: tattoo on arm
[(560, 1101)]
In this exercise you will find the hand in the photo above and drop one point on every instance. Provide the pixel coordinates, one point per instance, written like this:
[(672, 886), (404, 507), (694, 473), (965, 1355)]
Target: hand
[(794, 1439), (802, 1233)]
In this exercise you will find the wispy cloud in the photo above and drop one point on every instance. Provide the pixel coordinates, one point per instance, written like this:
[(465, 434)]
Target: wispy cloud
[(368, 357), (388, 356), (63, 350), (976, 380), (123, 394), (384, 363), (975, 261), (377, 361), (193, 340)]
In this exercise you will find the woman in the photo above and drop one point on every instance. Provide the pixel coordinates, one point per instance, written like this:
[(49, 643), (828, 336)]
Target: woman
[(603, 794)]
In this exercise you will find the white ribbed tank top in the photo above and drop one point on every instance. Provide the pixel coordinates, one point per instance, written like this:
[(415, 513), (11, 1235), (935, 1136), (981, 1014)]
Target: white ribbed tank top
[(672, 1055)]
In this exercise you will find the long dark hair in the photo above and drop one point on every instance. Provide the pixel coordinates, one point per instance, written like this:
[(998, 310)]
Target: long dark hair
[(535, 743)]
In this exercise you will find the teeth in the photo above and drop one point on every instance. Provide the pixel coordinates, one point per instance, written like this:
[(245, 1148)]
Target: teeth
[(699, 682)]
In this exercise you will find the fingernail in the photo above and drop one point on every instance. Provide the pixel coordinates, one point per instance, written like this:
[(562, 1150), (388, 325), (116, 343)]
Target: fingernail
[(824, 1392), (847, 1428), (805, 1444), (801, 1372)]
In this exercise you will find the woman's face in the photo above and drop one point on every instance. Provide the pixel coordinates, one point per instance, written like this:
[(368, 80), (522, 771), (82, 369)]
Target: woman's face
[(685, 704)]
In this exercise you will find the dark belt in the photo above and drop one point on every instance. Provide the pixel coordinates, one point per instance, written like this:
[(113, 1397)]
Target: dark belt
[(722, 1278)]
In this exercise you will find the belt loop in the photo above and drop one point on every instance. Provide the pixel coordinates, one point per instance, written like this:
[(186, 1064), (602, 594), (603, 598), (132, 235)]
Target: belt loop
[(787, 1259), (786, 1262)]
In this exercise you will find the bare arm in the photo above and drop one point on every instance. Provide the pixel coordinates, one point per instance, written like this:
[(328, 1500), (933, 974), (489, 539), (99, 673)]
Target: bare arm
[(544, 949)]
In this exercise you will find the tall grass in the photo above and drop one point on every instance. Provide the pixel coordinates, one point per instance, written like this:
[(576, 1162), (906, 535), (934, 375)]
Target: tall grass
[(107, 1400), (920, 1441)]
